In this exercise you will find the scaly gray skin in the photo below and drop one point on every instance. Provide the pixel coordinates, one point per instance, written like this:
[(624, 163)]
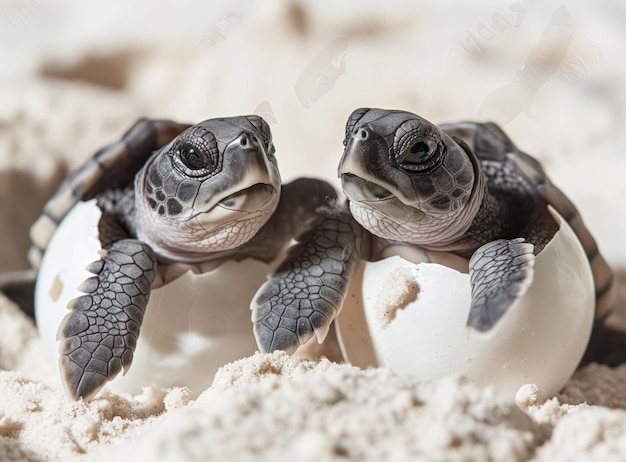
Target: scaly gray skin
[(173, 197), (459, 188)]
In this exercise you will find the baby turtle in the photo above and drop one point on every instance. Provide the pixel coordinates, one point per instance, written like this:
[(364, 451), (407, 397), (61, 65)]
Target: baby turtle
[(173, 197), (463, 189)]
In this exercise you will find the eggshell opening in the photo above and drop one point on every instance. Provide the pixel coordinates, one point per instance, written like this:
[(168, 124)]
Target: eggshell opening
[(411, 317), (192, 326)]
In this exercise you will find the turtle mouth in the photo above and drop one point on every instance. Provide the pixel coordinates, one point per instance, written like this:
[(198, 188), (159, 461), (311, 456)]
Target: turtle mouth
[(234, 219), (361, 190), (380, 201), (251, 199)]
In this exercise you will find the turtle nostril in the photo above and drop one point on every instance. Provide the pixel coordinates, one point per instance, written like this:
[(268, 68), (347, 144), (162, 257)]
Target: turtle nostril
[(248, 141)]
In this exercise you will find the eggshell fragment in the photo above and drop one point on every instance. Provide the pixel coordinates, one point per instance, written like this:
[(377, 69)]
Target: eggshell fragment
[(412, 318), (192, 326)]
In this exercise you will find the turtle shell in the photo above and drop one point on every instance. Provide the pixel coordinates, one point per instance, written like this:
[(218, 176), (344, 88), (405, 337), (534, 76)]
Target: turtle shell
[(490, 144), (113, 166)]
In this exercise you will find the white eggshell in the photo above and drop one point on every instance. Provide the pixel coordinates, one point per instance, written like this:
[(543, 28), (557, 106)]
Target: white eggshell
[(192, 326), (388, 321)]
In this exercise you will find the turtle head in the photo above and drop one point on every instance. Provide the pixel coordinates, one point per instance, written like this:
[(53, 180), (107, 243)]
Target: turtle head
[(408, 180), (211, 189)]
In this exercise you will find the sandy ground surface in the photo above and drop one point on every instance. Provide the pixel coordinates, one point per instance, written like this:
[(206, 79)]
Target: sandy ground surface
[(75, 76)]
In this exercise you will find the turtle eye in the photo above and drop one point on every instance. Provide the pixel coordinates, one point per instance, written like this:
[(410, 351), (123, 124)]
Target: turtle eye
[(193, 161), (192, 158), (417, 147), (419, 152)]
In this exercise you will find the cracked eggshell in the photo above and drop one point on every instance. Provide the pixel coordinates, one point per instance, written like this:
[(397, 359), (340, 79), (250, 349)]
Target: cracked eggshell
[(192, 326), (412, 318)]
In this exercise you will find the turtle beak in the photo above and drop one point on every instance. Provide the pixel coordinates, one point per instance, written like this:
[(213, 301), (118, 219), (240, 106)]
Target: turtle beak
[(250, 199), (361, 190), (358, 166), (366, 174), (246, 183)]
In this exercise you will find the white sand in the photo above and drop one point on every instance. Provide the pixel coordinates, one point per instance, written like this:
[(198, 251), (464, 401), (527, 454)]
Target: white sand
[(401, 288), (75, 76)]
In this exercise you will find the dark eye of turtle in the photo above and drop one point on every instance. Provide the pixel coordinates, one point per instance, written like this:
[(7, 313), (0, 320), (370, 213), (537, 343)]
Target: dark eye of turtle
[(420, 151), (192, 158), (193, 161), (418, 155)]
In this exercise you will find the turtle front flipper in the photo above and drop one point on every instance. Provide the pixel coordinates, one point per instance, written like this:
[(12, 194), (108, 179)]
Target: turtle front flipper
[(305, 294), (500, 273), (99, 335)]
